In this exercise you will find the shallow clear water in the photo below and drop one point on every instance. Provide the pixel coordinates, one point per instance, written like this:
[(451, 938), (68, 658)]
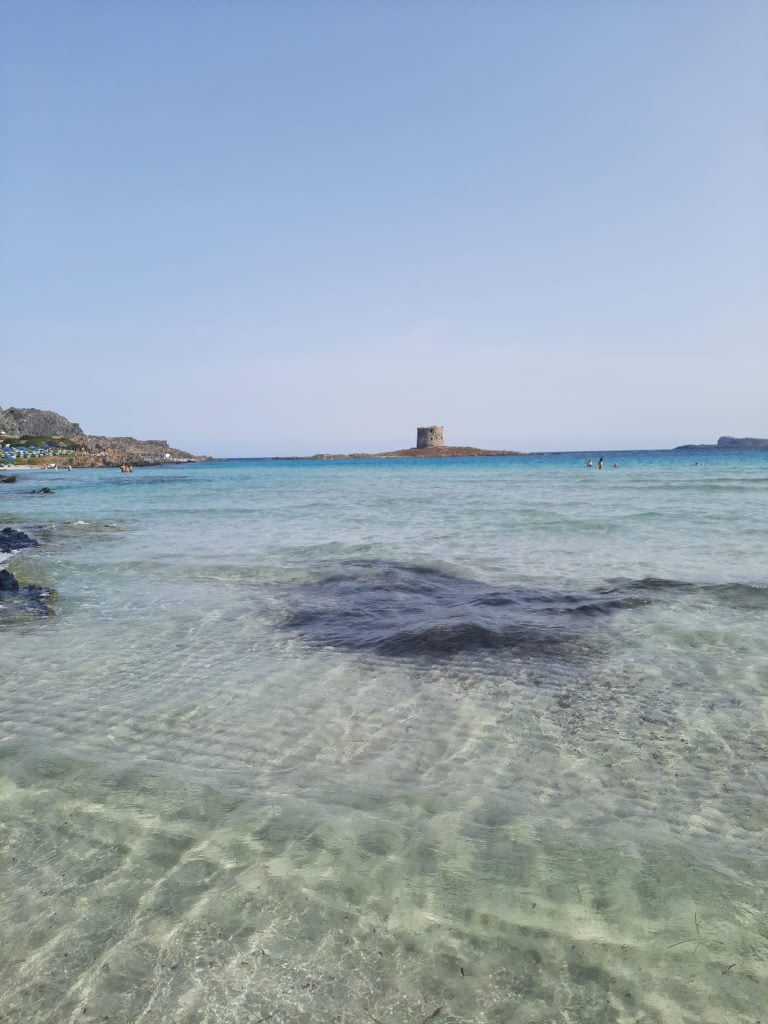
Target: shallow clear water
[(484, 739)]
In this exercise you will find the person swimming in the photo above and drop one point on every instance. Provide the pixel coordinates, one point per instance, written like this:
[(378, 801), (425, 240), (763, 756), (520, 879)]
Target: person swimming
[(589, 463)]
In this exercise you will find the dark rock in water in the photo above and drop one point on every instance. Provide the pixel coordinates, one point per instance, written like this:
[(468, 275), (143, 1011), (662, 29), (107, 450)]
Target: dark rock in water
[(7, 479), (411, 611), (8, 582), (43, 490), (14, 540), (17, 601)]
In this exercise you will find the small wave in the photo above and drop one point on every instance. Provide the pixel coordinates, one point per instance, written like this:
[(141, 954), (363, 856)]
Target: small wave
[(705, 486), (737, 595), (79, 525), (122, 481)]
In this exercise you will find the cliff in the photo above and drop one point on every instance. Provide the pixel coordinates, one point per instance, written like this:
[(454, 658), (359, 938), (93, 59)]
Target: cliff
[(742, 442)]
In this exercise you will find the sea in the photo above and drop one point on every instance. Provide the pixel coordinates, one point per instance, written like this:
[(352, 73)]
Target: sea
[(392, 741)]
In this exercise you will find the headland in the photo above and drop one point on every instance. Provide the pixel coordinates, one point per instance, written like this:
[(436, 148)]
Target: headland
[(38, 437), (726, 443)]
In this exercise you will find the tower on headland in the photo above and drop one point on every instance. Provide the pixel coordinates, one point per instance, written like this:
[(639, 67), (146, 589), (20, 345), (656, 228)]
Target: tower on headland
[(429, 437)]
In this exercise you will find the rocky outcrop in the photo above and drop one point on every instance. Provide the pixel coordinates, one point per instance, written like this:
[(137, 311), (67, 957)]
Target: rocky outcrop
[(39, 423), (115, 451)]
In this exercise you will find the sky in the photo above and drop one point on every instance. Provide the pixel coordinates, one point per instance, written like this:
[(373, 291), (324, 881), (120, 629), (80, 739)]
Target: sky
[(264, 228)]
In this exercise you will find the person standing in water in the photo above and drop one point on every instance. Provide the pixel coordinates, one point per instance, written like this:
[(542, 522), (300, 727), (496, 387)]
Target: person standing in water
[(600, 462), (589, 463)]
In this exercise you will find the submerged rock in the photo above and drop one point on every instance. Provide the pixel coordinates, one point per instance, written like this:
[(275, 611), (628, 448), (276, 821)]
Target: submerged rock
[(399, 610), (8, 479)]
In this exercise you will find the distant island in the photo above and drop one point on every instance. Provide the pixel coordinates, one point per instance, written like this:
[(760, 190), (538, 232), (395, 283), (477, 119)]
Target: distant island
[(445, 452), (430, 444), (37, 436), (727, 443)]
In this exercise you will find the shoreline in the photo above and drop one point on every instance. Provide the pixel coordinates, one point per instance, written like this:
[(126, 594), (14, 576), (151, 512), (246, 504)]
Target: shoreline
[(10, 469)]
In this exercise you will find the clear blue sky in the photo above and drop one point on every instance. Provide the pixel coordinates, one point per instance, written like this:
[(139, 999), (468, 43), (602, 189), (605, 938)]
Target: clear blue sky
[(279, 228)]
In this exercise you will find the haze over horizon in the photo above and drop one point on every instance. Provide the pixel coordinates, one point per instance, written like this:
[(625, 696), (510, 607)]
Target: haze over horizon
[(273, 230)]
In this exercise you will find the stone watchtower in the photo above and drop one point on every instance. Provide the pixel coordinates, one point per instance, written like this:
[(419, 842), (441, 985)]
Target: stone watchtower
[(429, 437)]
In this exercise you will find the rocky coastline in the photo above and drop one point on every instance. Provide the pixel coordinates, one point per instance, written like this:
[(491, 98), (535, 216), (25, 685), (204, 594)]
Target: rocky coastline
[(81, 450), (118, 451)]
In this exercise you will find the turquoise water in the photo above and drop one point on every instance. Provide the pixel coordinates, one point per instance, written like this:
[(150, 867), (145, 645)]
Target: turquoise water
[(469, 740)]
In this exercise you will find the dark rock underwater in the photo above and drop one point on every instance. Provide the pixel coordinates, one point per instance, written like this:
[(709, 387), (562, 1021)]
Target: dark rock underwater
[(398, 610), (410, 611)]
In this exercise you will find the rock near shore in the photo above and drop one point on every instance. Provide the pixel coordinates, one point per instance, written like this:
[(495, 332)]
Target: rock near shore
[(15, 540)]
